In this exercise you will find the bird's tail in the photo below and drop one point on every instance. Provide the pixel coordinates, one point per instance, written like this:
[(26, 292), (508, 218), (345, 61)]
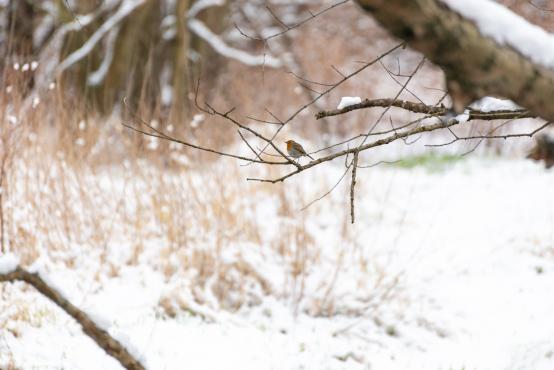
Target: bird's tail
[(309, 156)]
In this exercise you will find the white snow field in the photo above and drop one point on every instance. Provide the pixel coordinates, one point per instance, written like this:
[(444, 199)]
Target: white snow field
[(446, 267)]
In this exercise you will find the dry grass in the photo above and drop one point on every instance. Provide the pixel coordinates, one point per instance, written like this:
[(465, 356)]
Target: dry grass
[(81, 190), (86, 192)]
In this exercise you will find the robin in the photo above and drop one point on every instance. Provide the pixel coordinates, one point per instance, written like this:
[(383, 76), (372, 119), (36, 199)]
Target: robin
[(295, 150)]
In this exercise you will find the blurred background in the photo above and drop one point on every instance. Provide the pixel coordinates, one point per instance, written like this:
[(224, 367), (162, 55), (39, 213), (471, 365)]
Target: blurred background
[(159, 239)]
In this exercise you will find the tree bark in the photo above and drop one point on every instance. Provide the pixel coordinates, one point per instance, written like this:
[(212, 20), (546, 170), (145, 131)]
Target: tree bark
[(19, 45), (137, 60), (474, 65), (180, 107), (20, 27)]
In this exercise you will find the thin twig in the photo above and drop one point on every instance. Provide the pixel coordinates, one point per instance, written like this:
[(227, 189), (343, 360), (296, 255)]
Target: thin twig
[(352, 185), (248, 144), (327, 192), (340, 82), (165, 137), (507, 136), (289, 28)]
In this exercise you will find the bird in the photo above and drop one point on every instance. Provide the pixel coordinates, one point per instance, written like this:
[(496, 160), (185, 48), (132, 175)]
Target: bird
[(295, 150)]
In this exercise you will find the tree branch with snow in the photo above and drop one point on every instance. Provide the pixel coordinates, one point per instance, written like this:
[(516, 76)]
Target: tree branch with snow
[(10, 271), (483, 48)]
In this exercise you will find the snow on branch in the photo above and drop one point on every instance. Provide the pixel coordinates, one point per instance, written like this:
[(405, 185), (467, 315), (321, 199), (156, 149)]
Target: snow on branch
[(10, 272), (49, 55), (483, 48), (96, 77), (217, 43), (8, 263), (200, 5), (126, 8), (487, 109), (507, 28), (222, 48)]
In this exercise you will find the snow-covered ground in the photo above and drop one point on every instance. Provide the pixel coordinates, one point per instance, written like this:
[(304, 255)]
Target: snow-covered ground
[(445, 268)]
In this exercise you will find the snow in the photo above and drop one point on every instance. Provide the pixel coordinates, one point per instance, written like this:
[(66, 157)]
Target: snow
[(446, 269), (490, 104), (197, 119), (12, 119), (463, 117), (126, 8), (8, 263), (41, 268), (508, 29), (215, 41), (97, 77), (347, 101), (200, 5), (36, 102)]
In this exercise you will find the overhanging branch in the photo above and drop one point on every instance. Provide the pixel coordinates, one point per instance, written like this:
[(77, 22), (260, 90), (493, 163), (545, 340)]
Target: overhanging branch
[(475, 65), (99, 335)]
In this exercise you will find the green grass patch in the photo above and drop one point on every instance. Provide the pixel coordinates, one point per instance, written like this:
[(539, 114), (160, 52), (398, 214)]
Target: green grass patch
[(431, 161)]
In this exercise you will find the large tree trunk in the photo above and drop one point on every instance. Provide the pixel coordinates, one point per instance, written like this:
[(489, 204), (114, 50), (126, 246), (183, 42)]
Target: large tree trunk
[(180, 107), (20, 27), (474, 65), (137, 61), (19, 45), (142, 58)]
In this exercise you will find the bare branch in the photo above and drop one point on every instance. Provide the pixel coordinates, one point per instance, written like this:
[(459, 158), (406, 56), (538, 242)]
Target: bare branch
[(353, 184), (288, 28), (328, 191), (340, 82), (264, 121), (394, 76), (379, 163), (404, 86), (169, 138), (249, 146), (380, 142), (161, 135), (541, 8), (308, 80), (254, 132), (507, 136), (277, 18)]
